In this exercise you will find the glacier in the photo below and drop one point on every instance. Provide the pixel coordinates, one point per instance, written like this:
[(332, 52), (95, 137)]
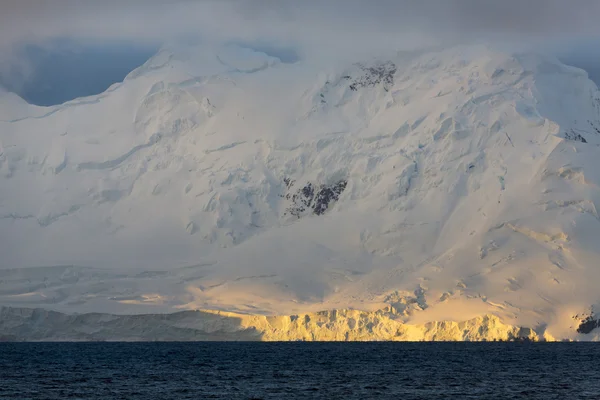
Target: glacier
[(208, 325), (423, 189)]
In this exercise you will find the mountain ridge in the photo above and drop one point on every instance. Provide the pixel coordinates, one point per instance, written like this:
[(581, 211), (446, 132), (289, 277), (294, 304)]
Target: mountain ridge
[(463, 178)]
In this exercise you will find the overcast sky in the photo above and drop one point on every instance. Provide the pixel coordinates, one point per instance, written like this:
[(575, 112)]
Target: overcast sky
[(332, 27), (35, 20)]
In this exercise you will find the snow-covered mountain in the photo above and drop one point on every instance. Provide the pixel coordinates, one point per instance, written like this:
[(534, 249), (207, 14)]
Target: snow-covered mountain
[(445, 185)]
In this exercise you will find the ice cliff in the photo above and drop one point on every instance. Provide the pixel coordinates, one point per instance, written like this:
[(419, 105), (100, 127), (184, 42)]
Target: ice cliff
[(339, 325)]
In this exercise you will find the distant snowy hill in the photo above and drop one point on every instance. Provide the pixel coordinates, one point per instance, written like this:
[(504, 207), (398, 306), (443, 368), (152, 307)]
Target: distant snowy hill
[(447, 185)]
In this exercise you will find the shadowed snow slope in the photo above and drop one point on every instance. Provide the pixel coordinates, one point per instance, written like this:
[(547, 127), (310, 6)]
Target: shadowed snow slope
[(448, 185)]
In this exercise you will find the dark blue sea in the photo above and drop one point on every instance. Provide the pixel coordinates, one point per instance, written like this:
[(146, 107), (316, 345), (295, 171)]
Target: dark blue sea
[(299, 371)]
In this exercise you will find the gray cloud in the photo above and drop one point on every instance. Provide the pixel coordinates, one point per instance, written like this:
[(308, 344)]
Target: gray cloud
[(334, 28), (29, 20)]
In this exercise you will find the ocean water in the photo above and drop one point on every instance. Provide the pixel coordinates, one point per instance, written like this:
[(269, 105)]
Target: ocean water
[(299, 370)]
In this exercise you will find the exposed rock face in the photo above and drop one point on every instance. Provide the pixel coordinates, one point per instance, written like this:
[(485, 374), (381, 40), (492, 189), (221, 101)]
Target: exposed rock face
[(587, 323), (310, 197), (380, 73), (336, 325), (572, 135), (589, 129)]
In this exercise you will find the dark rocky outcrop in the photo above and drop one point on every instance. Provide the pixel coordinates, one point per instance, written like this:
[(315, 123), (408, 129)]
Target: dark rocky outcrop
[(377, 74), (572, 135), (588, 324), (594, 126), (588, 321), (310, 197)]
